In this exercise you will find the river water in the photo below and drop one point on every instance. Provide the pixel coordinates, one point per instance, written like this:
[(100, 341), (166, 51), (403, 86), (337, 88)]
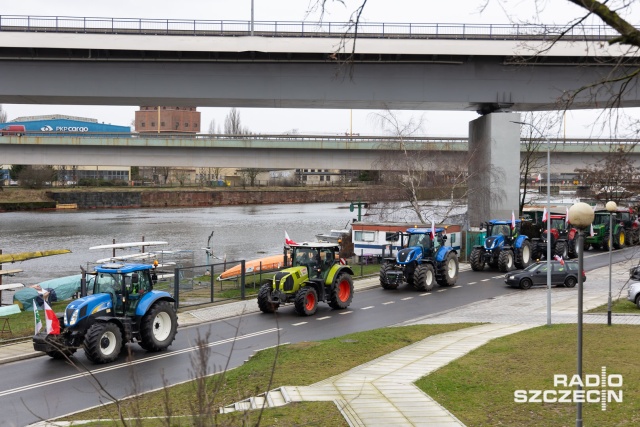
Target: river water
[(240, 232)]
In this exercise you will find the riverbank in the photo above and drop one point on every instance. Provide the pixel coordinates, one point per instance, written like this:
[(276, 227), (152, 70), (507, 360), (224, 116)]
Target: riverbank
[(17, 199)]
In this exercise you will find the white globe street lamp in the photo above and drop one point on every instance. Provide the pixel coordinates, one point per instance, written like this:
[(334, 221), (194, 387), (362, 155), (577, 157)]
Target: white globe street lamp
[(611, 207), (581, 216)]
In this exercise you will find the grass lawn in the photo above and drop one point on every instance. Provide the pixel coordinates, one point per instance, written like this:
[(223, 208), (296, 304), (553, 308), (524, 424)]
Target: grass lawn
[(621, 305), (296, 364), (479, 387)]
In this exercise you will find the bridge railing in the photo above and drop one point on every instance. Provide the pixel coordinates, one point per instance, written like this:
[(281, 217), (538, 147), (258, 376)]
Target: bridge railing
[(183, 27)]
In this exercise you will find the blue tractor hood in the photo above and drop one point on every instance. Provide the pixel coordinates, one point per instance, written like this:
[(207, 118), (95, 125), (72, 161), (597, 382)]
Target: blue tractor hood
[(88, 305), (407, 255), (493, 242)]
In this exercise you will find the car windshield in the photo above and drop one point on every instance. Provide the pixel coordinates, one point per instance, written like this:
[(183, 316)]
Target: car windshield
[(419, 240), (601, 219), (499, 229), (557, 223)]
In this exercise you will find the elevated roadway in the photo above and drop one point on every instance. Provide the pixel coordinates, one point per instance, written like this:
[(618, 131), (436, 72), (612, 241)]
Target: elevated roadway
[(275, 151)]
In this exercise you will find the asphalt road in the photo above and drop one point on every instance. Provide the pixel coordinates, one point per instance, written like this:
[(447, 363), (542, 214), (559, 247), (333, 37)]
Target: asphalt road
[(43, 388)]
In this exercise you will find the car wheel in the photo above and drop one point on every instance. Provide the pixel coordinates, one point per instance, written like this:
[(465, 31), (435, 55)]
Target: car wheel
[(525, 284), (570, 282), (638, 301)]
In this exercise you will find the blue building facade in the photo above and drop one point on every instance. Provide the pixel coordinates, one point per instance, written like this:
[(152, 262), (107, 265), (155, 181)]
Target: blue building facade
[(68, 126)]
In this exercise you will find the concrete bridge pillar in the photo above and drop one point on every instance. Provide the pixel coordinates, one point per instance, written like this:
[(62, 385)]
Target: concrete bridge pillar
[(494, 167)]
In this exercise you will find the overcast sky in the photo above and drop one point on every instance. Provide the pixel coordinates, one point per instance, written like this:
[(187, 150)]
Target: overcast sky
[(578, 124)]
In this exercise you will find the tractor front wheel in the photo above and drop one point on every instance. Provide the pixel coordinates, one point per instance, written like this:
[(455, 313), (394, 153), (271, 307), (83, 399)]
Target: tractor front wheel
[(103, 342), (424, 277), (562, 250), (158, 327), (619, 239), (523, 255), (264, 299), (449, 272), (476, 260), (505, 261), (342, 292), (306, 302)]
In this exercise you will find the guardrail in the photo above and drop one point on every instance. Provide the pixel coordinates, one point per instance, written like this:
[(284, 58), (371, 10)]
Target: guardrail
[(182, 27)]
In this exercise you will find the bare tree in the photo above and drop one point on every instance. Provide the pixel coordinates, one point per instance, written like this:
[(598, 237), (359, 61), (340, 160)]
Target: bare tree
[(37, 176), (615, 178), (233, 126), (3, 115)]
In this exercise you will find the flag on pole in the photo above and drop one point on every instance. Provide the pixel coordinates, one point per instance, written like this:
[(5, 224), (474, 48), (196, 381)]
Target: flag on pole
[(513, 220), (287, 240), (591, 233), (433, 230), (539, 178), (53, 324), (36, 317), (559, 258), (566, 218), (544, 215)]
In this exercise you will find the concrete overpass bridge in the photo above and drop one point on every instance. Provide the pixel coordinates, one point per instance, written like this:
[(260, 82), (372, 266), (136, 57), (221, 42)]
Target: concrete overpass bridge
[(278, 151), (491, 69)]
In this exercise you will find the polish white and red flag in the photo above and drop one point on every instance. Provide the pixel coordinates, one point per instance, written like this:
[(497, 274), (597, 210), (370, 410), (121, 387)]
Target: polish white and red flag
[(544, 215), (566, 218), (539, 178), (591, 233), (287, 240), (53, 324), (513, 220), (559, 258), (433, 230)]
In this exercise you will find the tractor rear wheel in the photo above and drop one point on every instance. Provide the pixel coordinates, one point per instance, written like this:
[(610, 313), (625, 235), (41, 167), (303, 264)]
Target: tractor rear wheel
[(523, 255), (383, 277), (561, 250), (342, 292), (619, 239), (448, 275), (424, 277), (476, 260), (505, 261), (158, 327), (264, 299), (306, 302), (103, 342)]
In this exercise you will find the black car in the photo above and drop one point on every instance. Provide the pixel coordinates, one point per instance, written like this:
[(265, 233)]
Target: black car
[(562, 273)]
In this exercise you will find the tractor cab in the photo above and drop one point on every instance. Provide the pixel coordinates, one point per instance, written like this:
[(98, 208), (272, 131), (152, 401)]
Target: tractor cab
[(499, 232), (124, 283), (318, 259)]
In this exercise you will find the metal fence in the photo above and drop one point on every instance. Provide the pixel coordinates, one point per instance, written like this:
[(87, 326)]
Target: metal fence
[(182, 27)]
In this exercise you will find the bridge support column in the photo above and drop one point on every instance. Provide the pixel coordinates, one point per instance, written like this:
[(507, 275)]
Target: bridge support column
[(494, 167)]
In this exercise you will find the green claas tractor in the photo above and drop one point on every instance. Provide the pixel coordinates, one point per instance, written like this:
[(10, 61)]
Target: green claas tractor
[(316, 274)]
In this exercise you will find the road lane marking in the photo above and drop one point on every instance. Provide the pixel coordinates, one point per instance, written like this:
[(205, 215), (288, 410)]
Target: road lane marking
[(404, 299), (498, 277), (346, 312), (485, 280), (472, 283), (388, 302), (458, 286), (128, 364), (441, 290), (298, 324), (324, 318), (367, 308), (425, 294)]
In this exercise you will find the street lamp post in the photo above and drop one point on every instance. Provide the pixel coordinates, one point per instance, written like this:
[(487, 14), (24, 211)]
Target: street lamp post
[(581, 216), (611, 207), (548, 218)]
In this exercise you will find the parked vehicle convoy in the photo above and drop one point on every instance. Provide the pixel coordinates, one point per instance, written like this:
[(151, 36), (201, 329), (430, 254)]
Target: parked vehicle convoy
[(425, 261), (563, 273), (600, 238), (316, 275), (121, 307), (503, 247)]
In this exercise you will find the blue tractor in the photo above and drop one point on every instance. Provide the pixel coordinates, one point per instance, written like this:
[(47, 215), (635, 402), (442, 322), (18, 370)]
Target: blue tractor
[(503, 247), (121, 307), (423, 262)]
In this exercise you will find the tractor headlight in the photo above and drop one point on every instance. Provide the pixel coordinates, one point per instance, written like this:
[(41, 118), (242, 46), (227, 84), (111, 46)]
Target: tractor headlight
[(74, 318)]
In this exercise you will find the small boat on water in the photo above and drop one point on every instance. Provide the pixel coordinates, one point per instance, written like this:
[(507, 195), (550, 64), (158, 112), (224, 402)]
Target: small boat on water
[(260, 265), (333, 236)]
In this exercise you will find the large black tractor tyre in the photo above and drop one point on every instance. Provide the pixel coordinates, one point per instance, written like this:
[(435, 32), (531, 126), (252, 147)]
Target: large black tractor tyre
[(342, 292), (619, 238), (103, 342), (448, 274), (505, 261), (476, 259), (264, 299), (306, 301), (561, 250), (424, 278), (574, 251), (523, 255), (383, 277), (158, 328)]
